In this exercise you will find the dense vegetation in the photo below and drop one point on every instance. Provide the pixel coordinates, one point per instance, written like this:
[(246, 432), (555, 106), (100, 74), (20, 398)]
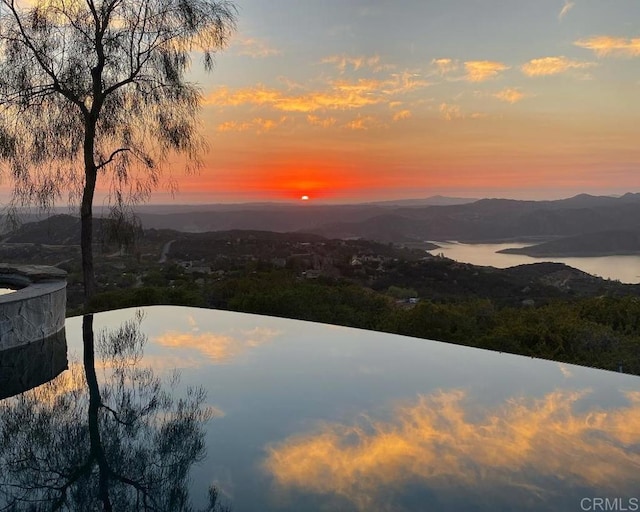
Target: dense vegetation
[(602, 332)]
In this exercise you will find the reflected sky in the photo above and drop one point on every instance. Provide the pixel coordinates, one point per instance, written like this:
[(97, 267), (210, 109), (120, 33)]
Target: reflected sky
[(318, 417), (537, 449)]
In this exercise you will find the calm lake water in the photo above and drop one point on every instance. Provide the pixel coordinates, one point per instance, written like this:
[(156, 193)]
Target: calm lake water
[(312, 417), (624, 268)]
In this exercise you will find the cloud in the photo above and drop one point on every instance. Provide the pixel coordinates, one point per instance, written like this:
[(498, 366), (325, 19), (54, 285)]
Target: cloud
[(442, 442), (481, 70), (362, 123), (257, 124), (444, 66), (552, 66), (402, 83), (338, 95), (342, 62), (255, 48), (450, 112), (341, 96), (402, 114), (510, 95), (604, 46), (568, 5), (324, 122)]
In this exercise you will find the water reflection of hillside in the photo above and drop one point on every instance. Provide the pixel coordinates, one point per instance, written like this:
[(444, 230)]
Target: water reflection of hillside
[(539, 453), (127, 443)]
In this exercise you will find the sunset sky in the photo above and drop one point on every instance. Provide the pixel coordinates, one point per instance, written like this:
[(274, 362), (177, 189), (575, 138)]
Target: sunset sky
[(362, 100), (366, 100)]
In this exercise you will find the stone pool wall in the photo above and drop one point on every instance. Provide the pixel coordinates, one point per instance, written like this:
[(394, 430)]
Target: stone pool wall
[(29, 365), (36, 311)]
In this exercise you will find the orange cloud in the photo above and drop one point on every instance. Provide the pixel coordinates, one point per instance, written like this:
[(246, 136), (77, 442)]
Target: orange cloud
[(255, 48), (342, 62), (258, 124), (444, 66), (402, 114), (450, 112), (258, 95), (481, 70), (325, 122), (362, 123), (604, 46), (437, 441), (552, 66), (343, 95), (339, 95), (510, 95), (401, 83)]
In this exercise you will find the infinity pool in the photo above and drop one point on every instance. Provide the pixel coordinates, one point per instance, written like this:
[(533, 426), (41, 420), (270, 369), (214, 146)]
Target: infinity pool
[(299, 416)]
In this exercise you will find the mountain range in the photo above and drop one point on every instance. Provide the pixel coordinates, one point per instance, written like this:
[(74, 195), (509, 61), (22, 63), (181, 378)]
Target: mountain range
[(580, 225)]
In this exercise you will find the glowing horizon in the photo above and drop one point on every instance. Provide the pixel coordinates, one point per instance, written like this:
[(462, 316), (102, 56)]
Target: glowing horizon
[(458, 99)]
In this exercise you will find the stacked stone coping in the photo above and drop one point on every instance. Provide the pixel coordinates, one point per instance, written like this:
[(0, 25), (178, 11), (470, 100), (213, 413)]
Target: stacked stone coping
[(36, 310)]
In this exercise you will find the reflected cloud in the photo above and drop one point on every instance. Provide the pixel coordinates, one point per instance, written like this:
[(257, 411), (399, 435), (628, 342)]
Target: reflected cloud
[(604, 46), (63, 391), (553, 66), (564, 369), (219, 348), (442, 441)]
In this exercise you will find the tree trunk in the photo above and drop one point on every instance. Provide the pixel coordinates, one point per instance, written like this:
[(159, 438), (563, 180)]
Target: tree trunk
[(86, 214)]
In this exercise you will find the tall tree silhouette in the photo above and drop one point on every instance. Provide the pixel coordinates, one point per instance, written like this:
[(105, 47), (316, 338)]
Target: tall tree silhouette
[(95, 90), (122, 442)]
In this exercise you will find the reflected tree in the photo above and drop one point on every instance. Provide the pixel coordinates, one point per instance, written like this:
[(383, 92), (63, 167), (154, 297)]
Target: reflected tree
[(121, 442)]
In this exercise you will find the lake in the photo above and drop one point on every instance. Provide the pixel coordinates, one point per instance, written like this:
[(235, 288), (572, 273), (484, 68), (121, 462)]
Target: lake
[(299, 416), (626, 269)]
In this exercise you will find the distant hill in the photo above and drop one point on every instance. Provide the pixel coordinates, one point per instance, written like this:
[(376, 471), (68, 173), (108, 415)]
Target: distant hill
[(280, 218), (499, 219), (427, 201), (60, 229), (409, 221), (54, 230)]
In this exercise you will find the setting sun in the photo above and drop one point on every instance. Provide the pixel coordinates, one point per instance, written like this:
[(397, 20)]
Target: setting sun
[(304, 198)]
